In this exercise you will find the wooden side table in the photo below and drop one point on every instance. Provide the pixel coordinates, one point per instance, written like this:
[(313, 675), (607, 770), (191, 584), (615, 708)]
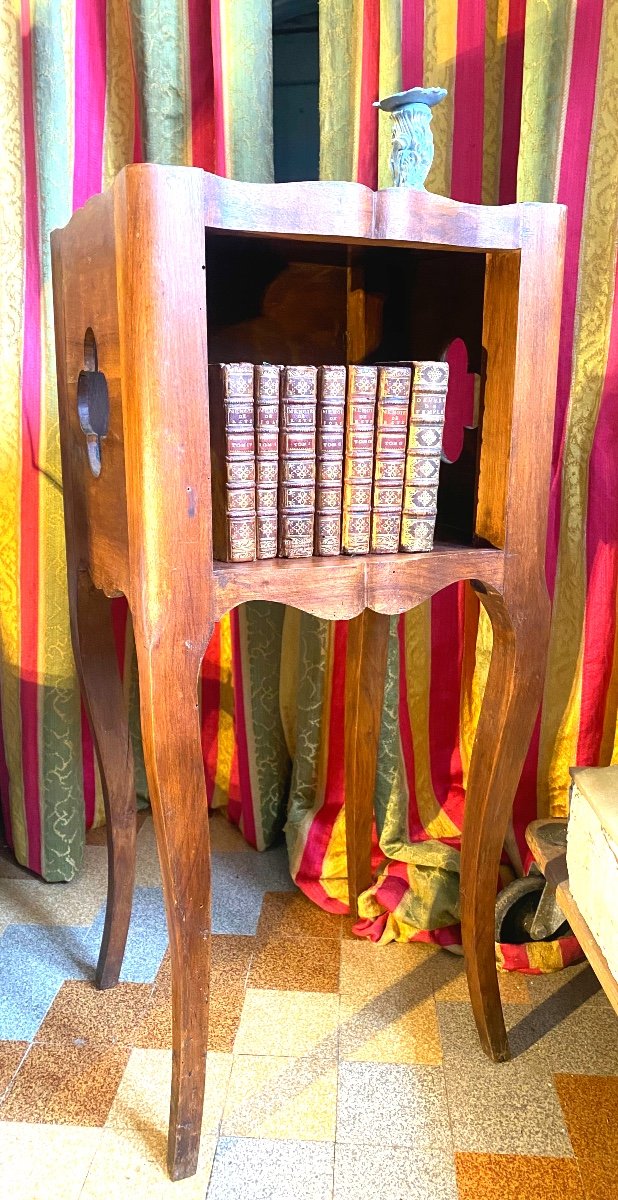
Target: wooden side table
[(312, 272)]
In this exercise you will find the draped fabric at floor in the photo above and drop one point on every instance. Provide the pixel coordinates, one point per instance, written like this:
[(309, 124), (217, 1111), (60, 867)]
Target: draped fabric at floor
[(97, 89)]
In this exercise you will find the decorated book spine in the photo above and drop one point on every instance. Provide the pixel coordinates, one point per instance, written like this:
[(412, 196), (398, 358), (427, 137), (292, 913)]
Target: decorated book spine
[(297, 462), (329, 459), (267, 457), (358, 465), (390, 457), (420, 491), (232, 442)]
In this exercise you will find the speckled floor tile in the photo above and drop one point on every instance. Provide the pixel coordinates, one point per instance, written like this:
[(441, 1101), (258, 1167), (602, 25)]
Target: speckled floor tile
[(230, 959), (34, 962), (393, 1173), (517, 1177), (11, 1055), (225, 838), (369, 970), (584, 1041), (504, 1108), (288, 1024), (45, 1162), (141, 1105), (9, 867), (82, 1013), (296, 964), (590, 1107), (239, 882), (386, 1029), (292, 915), (450, 983), (255, 1169), (121, 1168), (567, 989), (27, 900), (386, 1103), (226, 1001), (147, 867), (291, 1098), (68, 1085), (599, 1179), (98, 835)]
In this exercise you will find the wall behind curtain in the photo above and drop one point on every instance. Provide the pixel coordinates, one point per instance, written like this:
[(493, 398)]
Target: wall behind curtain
[(85, 87)]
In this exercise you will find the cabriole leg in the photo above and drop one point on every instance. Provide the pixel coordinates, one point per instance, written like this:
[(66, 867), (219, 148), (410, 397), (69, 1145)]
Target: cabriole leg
[(97, 666), (510, 705), (168, 674)]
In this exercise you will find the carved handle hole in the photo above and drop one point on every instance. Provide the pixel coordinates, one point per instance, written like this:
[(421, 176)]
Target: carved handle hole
[(92, 403)]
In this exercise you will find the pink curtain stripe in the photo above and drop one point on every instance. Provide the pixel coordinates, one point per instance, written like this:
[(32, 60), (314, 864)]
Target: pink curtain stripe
[(511, 108), (90, 88), (89, 109), (601, 559), (447, 643), (468, 121), (367, 171), (203, 134), (247, 818), (572, 192), (211, 695), (220, 159), (31, 428), (412, 43)]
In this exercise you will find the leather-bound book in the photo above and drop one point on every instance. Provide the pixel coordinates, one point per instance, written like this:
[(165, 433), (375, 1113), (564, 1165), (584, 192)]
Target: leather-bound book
[(297, 462), (390, 457), (267, 378), (420, 492), (329, 459), (358, 465), (232, 456)]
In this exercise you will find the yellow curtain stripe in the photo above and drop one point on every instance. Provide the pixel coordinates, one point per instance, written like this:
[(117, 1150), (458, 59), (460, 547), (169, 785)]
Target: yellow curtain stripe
[(119, 133), (390, 80), (440, 55), (225, 732), (357, 79), (418, 673), (11, 345)]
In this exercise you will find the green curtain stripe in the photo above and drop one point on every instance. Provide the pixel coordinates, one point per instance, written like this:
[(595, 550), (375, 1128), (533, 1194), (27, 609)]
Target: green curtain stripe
[(159, 39), (246, 53), (312, 675), (61, 779), (546, 61), (261, 625)]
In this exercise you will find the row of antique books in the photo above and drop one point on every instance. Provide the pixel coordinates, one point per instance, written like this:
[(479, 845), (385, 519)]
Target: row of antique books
[(324, 461)]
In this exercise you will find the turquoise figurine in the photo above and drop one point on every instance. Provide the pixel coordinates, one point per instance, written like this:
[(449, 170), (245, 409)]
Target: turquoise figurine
[(412, 150)]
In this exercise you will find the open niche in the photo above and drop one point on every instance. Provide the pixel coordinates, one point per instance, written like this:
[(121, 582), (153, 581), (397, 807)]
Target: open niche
[(297, 301)]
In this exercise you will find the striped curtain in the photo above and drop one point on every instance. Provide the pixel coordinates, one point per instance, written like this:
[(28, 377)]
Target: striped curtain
[(87, 86), (532, 114)]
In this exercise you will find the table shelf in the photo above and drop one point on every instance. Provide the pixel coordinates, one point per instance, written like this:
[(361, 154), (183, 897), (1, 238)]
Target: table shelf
[(339, 588)]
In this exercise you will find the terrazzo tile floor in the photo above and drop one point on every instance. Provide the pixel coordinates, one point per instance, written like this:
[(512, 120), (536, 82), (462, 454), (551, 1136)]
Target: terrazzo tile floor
[(337, 1070)]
